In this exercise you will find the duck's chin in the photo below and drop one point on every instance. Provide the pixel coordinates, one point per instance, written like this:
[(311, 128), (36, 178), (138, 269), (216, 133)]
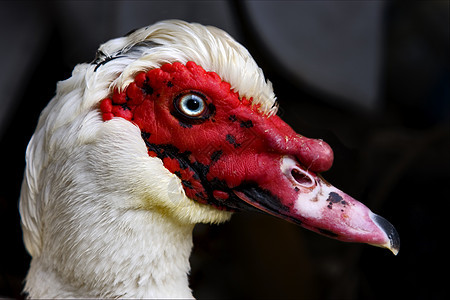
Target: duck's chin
[(168, 198)]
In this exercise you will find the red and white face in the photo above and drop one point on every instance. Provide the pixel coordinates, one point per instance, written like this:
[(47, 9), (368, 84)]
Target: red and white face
[(230, 155)]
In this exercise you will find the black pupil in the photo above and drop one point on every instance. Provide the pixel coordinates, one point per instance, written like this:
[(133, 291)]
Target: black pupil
[(193, 104)]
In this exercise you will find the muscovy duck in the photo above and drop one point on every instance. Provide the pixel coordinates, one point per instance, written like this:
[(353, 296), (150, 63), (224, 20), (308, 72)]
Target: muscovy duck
[(171, 125)]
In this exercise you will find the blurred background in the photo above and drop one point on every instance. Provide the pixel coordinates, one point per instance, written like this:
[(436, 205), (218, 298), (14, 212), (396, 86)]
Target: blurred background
[(371, 78)]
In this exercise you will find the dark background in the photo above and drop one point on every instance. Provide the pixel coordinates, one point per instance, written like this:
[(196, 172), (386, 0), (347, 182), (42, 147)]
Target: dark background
[(371, 78)]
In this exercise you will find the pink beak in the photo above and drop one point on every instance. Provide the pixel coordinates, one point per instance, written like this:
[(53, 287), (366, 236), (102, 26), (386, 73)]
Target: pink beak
[(322, 208)]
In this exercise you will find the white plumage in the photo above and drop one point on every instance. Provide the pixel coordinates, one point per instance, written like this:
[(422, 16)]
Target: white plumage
[(100, 217)]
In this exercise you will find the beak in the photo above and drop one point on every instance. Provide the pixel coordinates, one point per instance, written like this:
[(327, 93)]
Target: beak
[(307, 199)]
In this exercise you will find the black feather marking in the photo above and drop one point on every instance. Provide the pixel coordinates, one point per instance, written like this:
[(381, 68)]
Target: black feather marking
[(232, 140), (145, 135), (147, 89), (215, 156), (125, 106), (247, 124), (99, 56), (106, 60)]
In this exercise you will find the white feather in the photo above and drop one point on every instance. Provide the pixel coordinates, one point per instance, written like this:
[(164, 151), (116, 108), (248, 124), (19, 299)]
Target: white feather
[(100, 217)]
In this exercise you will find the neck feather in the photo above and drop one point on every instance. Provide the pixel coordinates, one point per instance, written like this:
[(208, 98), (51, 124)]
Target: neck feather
[(136, 254)]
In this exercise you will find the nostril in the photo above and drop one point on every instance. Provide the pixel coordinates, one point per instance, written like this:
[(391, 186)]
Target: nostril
[(302, 178), (296, 174)]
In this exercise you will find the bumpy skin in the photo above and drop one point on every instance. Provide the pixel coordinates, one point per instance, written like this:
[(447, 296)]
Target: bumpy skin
[(234, 157), (232, 146)]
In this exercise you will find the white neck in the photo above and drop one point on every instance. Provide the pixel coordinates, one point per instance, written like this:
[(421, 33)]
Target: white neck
[(149, 259), (102, 218)]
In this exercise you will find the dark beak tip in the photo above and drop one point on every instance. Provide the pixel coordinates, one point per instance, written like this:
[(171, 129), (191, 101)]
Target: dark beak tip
[(390, 231)]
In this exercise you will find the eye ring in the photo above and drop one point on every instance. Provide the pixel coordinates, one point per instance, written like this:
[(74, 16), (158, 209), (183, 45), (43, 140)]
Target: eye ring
[(191, 105)]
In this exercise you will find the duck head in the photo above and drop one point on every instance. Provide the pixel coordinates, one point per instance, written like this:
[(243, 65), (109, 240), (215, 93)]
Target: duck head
[(235, 154)]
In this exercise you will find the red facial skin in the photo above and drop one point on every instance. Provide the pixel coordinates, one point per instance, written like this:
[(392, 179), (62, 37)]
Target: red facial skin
[(234, 157), (233, 144)]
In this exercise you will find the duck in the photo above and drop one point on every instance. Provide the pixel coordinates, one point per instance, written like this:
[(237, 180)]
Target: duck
[(171, 125)]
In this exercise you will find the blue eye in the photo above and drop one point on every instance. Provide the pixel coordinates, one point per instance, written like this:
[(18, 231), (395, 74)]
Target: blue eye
[(191, 105)]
